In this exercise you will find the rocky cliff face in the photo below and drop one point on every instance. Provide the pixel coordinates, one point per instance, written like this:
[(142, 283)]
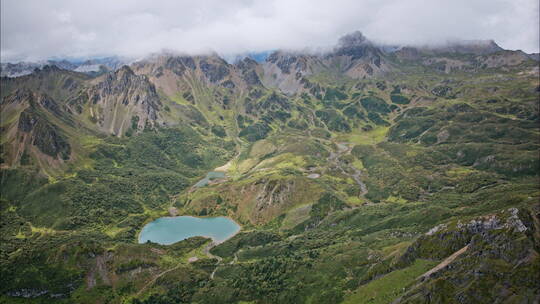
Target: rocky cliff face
[(32, 136), (200, 89), (122, 101), (173, 73), (44, 135), (359, 57), (354, 56), (249, 70), (286, 71), (496, 255), (469, 56), (475, 47)]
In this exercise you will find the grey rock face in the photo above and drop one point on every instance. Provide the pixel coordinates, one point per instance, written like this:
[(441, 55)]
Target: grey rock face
[(178, 65), (26, 121), (514, 221), (45, 136), (213, 72), (357, 46), (120, 91), (27, 293), (247, 68), (353, 39), (493, 222), (435, 229), (284, 62), (481, 225)]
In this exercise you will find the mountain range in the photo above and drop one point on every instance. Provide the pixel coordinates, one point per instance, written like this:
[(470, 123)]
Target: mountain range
[(90, 66), (362, 174)]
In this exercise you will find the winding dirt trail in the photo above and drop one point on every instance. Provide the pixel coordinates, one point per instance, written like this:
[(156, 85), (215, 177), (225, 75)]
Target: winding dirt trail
[(153, 280), (206, 251), (444, 263), (356, 175), (440, 266)]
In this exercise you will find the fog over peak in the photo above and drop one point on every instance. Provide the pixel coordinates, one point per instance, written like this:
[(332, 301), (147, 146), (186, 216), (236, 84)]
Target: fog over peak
[(36, 30)]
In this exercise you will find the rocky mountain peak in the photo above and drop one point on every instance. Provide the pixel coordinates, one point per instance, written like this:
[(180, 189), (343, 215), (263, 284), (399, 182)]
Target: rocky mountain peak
[(214, 68), (123, 79), (179, 64), (19, 96), (50, 68), (246, 63), (477, 47), (288, 62), (352, 40), (127, 101), (247, 67), (356, 45), (31, 128), (63, 64), (125, 70), (34, 100)]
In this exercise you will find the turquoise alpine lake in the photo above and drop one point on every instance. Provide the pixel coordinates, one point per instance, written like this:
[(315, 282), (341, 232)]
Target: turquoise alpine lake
[(169, 230), (209, 176)]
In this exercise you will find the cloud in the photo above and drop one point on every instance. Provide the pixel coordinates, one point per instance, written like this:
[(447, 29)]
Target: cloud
[(35, 29)]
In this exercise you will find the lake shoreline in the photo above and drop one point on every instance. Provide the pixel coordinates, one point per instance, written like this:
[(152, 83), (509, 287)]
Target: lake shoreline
[(193, 221)]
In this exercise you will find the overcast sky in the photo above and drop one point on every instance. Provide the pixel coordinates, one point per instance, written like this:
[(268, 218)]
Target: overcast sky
[(36, 29)]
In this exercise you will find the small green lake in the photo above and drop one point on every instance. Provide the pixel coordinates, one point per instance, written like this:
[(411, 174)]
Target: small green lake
[(169, 230), (209, 176)]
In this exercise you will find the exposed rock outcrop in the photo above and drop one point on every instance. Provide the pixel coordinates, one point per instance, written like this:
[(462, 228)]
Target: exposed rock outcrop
[(355, 56), (248, 68), (33, 133), (484, 256), (124, 101)]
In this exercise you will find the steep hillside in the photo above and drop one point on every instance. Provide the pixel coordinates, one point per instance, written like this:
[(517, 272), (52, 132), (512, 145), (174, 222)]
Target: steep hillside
[(354, 56), (30, 130), (121, 102)]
